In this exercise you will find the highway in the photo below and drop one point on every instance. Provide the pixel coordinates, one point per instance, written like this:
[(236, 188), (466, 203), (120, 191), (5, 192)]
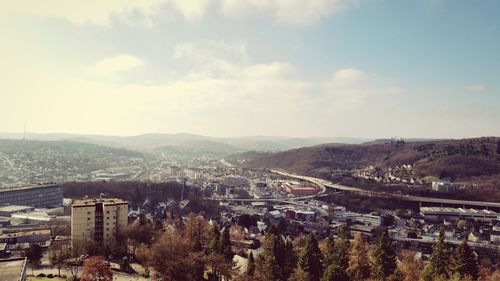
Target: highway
[(421, 199), (276, 200), (454, 242)]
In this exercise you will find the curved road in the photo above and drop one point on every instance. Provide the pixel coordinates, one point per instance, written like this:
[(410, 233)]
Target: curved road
[(325, 183)]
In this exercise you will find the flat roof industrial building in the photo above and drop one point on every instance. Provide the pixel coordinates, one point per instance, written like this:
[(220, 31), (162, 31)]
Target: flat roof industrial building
[(13, 269), (440, 213), (39, 196)]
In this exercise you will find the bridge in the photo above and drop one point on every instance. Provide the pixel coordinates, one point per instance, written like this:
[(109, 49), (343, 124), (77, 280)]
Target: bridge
[(411, 198)]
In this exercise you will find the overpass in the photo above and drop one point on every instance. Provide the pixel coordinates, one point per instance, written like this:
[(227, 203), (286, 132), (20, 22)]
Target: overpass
[(411, 198)]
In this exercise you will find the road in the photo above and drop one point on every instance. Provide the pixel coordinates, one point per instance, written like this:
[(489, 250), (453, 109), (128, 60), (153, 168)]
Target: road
[(225, 163), (6, 159), (283, 201), (454, 242), (328, 184)]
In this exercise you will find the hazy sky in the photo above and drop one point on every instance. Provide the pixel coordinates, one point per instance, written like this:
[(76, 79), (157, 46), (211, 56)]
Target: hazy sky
[(358, 68)]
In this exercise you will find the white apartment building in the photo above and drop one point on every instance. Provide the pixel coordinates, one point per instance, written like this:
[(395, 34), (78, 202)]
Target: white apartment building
[(100, 220)]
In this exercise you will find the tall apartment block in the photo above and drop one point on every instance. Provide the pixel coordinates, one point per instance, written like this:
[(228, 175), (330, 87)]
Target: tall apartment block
[(38, 196), (100, 220)]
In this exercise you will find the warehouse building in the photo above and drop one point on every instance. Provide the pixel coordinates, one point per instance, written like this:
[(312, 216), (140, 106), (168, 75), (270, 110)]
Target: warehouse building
[(436, 214), (38, 196)]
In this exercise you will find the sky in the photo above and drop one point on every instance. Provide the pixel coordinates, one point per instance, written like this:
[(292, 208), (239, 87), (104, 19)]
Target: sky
[(330, 68)]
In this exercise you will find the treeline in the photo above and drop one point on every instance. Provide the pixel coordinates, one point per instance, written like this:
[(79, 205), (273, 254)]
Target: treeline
[(136, 192), (196, 250)]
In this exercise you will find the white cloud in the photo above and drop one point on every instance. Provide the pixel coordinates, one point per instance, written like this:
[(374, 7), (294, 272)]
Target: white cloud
[(349, 75), (204, 51), (350, 86), (114, 65), (290, 12), (216, 94), (91, 11), (101, 12), (191, 9), (293, 12), (477, 88)]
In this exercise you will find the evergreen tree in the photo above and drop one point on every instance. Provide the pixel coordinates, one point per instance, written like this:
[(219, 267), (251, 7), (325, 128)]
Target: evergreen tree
[(334, 273), (250, 265), (225, 245), (383, 258), (300, 274), (359, 264), (409, 268), (464, 262), (268, 271), (440, 257), (197, 247), (214, 243), (336, 259), (426, 274), (329, 254), (270, 264), (310, 258), (290, 259)]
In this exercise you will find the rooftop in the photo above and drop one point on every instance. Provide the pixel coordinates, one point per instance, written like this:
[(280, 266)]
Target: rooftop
[(456, 210), (105, 201), (5, 189), (15, 208), (12, 269), (26, 233)]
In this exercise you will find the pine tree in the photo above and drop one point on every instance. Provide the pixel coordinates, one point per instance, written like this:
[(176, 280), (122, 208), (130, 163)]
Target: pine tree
[(464, 262), (334, 273), (290, 259), (310, 258), (250, 265), (270, 271), (440, 257), (409, 268), (329, 254), (214, 243), (383, 258), (270, 264), (300, 274), (359, 264), (225, 245), (336, 259)]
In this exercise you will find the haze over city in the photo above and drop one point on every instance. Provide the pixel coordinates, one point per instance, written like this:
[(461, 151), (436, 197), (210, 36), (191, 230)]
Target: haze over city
[(249, 140), (345, 68)]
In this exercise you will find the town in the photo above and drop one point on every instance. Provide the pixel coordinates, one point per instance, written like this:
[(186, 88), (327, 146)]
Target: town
[(248, 202), (249, 140)]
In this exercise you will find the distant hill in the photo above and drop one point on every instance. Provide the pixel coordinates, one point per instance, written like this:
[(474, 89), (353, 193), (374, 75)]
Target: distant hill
[(31, 147), (459, 160), (183, 141), (385, 141), (199, 147), (29, 161)]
